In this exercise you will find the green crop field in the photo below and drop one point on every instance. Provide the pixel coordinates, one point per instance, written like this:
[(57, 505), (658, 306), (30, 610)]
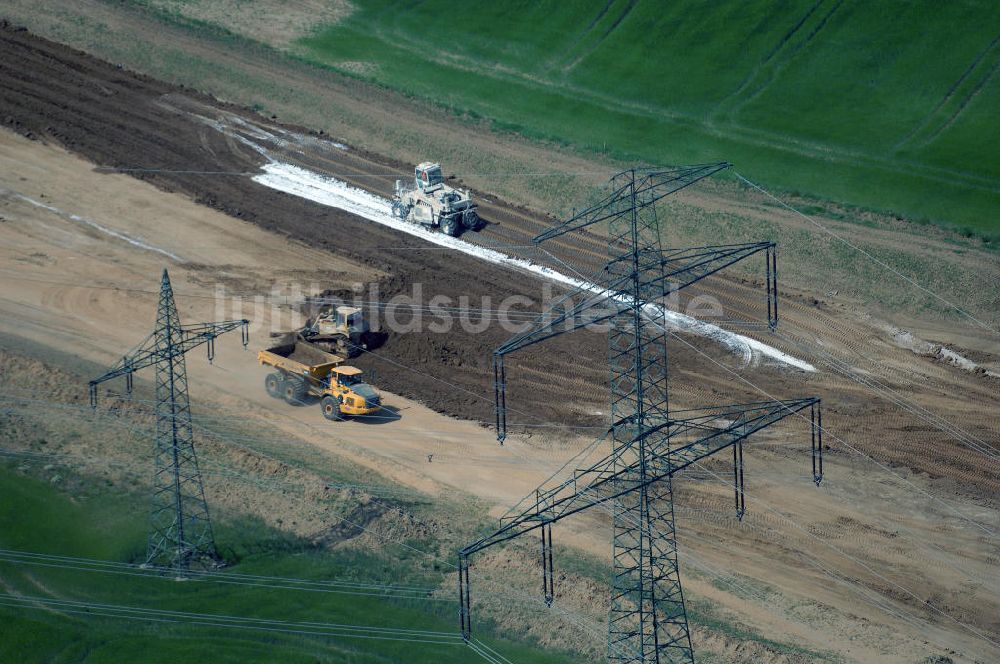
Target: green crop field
[(104, 524), (888, 105)]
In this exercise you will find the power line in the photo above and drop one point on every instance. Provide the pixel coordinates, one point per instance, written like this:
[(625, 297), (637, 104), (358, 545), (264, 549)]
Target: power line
[(352, 174), (876, 387), (711, 473), (231, 578), (868, 568), (866, 254), (830, 434), (232, 622), (237, 439)]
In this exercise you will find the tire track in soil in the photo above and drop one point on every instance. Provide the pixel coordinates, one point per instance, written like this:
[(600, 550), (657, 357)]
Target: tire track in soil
[(119, 119), (963, 104), (949, 94), (770, 73), (723, 103), (600, 40)]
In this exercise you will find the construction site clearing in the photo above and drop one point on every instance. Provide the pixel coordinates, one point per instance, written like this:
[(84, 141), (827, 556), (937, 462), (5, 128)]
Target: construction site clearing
[(892, 557)]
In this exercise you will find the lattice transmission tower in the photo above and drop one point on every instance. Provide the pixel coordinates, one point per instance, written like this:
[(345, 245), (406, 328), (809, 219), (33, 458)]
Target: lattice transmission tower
[(649, 443), (180, 529)]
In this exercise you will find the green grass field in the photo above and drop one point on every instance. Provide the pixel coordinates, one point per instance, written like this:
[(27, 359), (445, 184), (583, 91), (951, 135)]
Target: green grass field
[(104, 524), (887, 105)]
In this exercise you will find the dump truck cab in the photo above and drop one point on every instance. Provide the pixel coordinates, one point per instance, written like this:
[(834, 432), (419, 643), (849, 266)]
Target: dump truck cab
[(348, 392)]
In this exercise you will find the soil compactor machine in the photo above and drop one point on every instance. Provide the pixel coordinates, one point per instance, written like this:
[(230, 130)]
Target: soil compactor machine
[(302, 369), (430, 202)]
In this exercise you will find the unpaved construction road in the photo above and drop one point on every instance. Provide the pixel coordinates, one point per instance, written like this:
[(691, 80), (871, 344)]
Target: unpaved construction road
[(66, 282)]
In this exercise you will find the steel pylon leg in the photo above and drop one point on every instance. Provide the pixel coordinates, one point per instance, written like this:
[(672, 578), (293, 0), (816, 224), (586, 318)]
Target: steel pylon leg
[(548, 571), (464, 598)]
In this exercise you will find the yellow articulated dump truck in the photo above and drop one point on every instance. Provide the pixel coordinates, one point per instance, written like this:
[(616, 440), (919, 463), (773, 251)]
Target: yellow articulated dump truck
[(303, 370)]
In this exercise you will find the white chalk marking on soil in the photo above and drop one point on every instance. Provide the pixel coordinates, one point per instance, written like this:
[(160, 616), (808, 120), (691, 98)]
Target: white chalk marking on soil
[(96, 226), (334, 193)]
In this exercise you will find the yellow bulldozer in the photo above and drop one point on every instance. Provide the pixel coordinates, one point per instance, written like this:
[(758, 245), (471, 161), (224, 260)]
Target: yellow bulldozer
[(339, 329)]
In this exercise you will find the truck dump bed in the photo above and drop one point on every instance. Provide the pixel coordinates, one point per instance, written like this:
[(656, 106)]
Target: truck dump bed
[(301, 358)]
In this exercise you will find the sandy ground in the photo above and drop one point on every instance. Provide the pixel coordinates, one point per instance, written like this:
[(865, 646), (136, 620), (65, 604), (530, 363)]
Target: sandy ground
[(831, 569)]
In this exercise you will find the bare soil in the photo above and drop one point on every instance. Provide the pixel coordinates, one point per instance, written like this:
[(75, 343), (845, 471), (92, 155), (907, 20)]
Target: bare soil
[(118, 119), (80, 289)]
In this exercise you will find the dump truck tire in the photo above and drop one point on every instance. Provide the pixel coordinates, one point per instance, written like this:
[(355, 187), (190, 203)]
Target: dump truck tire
[(274, 383), (331, 409), (295, 391)]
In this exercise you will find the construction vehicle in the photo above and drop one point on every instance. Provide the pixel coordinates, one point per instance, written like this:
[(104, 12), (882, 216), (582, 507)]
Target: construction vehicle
[(303, 369), (339, 329), (430, 202)]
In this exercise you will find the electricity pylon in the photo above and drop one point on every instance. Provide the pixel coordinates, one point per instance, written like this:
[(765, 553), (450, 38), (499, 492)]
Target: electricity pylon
[(180, 530), (649, 445)]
